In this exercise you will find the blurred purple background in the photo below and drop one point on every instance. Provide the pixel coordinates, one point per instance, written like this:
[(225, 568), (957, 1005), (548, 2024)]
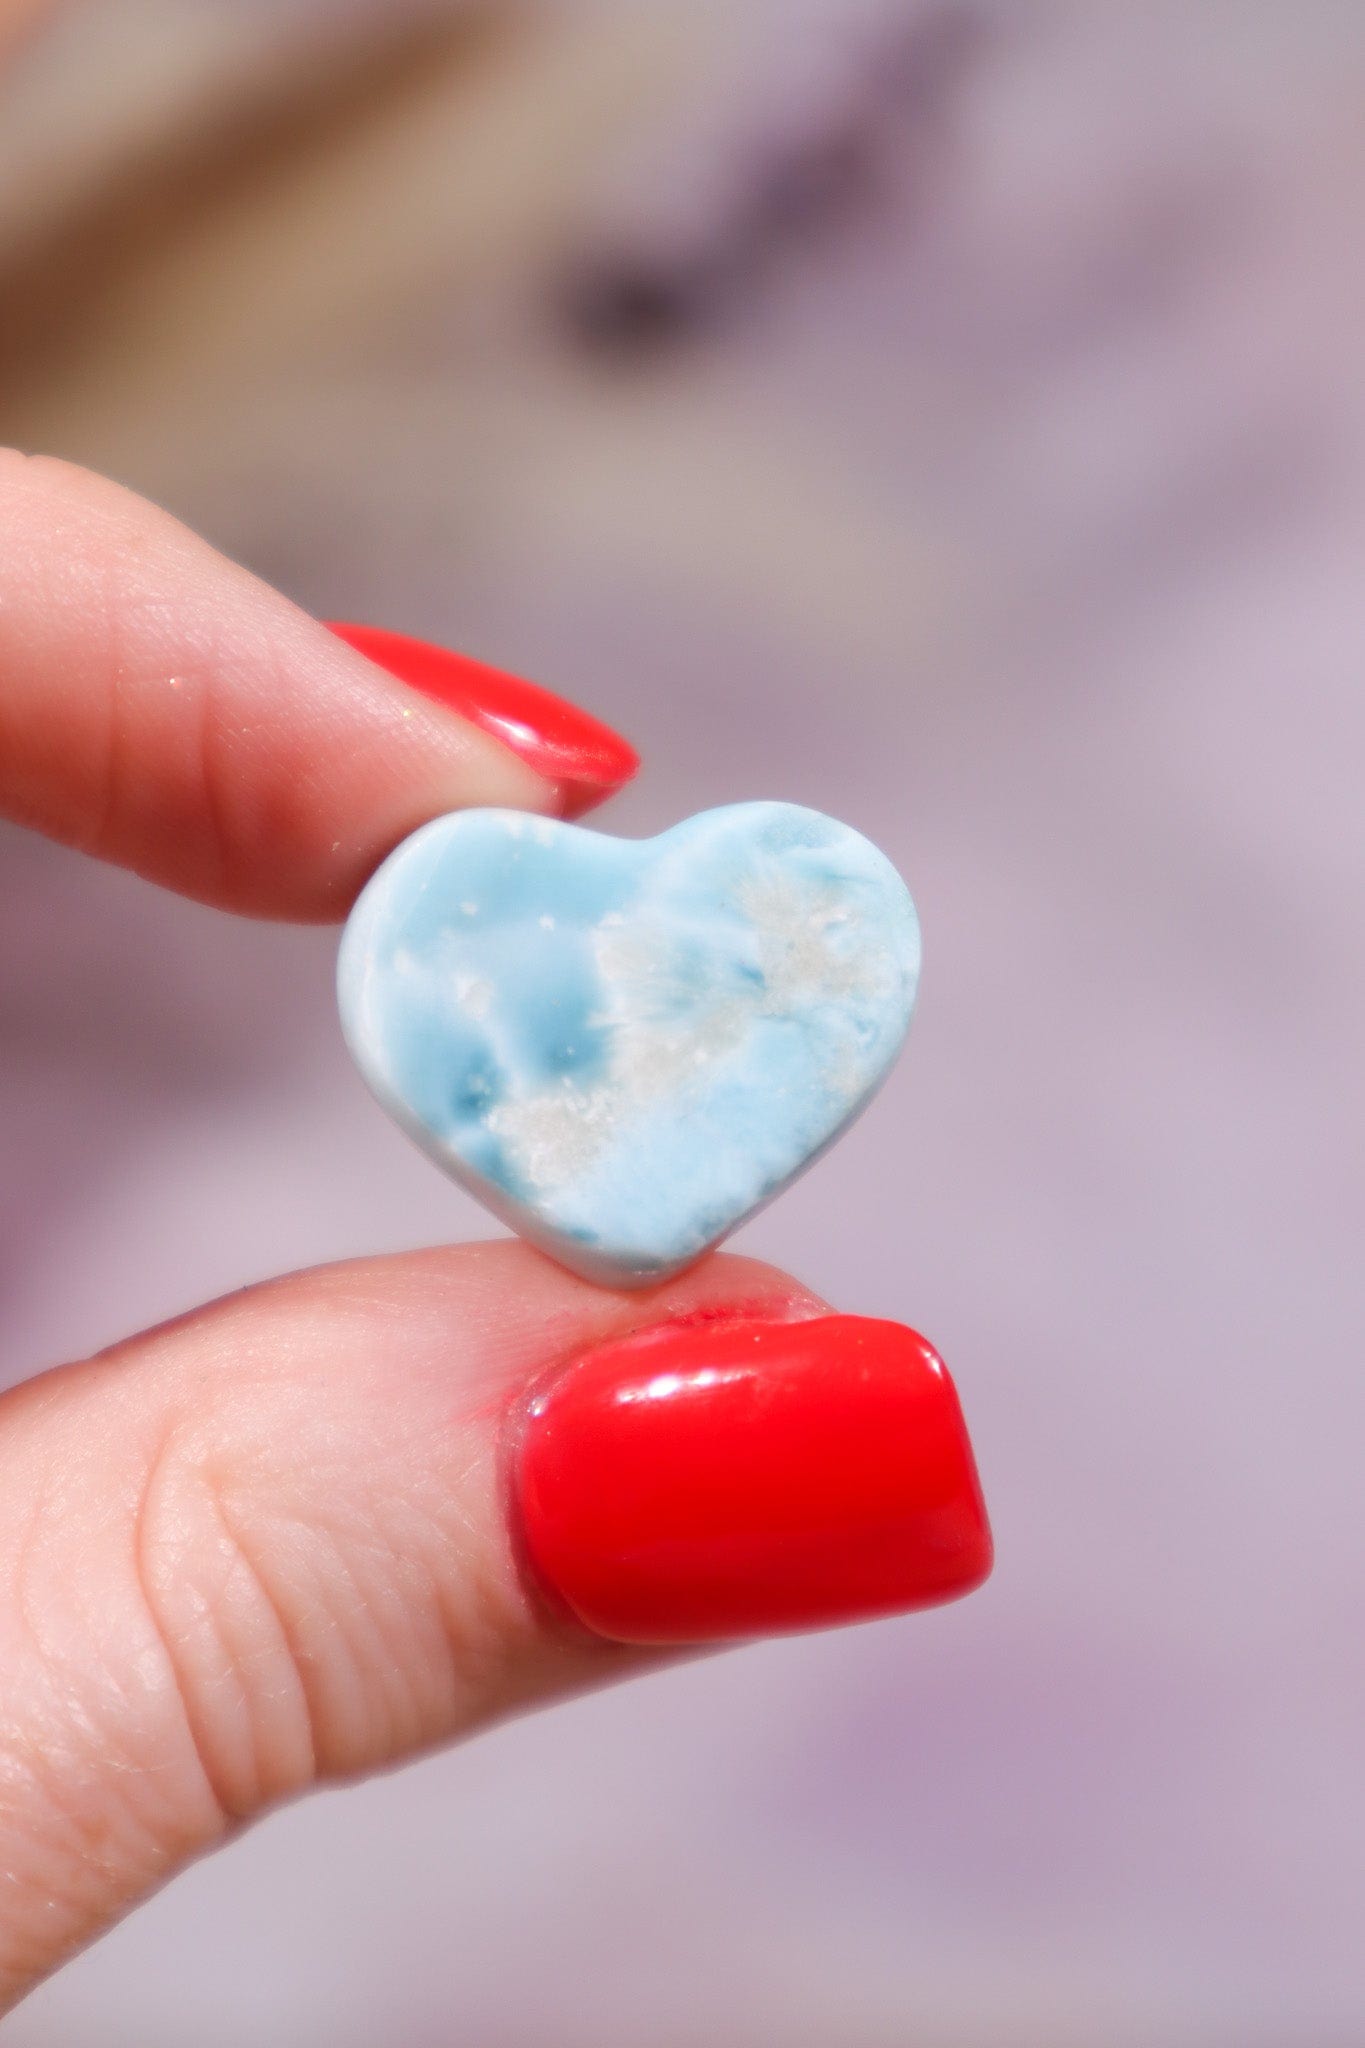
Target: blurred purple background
[(950, 417)]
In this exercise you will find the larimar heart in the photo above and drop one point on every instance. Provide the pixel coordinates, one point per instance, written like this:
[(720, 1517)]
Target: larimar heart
[(623, 1048)]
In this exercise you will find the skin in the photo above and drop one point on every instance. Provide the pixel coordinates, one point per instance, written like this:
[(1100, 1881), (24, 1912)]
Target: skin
[(267, 1546)]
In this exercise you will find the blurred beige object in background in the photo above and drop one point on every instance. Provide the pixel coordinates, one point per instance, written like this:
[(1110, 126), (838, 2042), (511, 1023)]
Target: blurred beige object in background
[(267, 206), (280, 252)]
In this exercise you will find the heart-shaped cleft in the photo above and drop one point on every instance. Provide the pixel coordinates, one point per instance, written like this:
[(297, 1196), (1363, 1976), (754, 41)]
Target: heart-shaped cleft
[(623, 1048)]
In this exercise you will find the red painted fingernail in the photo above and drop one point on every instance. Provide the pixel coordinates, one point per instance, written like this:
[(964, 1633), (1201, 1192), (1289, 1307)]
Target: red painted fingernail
[(558, 740), (744, 1478)]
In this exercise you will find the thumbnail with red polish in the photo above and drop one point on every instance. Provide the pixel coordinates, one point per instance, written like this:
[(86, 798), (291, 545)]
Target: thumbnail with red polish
[(558, 740), (741, 1478)]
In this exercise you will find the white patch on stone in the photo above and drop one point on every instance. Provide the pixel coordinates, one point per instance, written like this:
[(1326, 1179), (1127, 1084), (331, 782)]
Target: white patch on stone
[(800, 966), (556, 1136), (665, 1034), (473, 995)]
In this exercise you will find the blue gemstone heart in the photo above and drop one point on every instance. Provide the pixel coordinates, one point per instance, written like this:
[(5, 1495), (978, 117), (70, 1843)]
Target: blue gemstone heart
[(622, 1047)]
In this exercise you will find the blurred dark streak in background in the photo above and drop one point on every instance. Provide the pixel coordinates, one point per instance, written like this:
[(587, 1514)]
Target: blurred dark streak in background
[(794, 193)]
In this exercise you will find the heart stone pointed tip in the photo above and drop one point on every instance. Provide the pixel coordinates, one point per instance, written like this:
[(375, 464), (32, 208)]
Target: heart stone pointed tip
[(624, 1048)]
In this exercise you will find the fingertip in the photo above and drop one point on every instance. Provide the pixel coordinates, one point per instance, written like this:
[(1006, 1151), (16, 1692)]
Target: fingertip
[(585, 759), (164, 710)]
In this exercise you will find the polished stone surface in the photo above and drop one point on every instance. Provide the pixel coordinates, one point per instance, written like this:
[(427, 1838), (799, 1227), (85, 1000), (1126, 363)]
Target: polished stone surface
[(625, 1047)]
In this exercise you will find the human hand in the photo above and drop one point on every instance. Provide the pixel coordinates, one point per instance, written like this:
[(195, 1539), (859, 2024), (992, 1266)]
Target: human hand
[(282, 1541)]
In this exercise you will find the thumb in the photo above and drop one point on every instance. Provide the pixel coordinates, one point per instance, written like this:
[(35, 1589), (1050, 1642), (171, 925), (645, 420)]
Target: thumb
[(329, 1522)]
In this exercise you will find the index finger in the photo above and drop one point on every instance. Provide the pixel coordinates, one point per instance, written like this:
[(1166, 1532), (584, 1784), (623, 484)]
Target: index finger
[(162, 708)]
